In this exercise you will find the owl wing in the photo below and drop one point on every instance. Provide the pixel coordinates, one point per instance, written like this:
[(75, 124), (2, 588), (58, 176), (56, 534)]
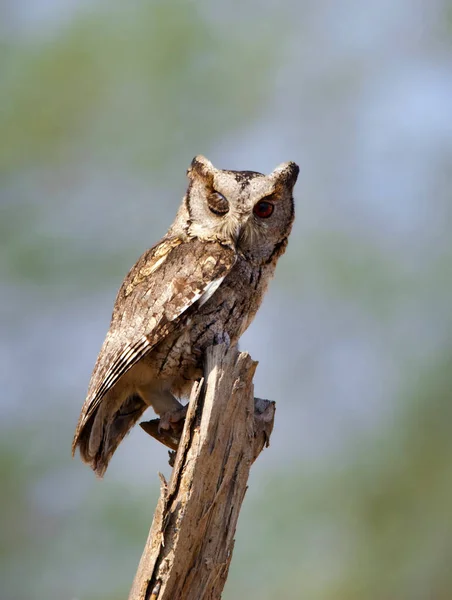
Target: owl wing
[(166, 281)]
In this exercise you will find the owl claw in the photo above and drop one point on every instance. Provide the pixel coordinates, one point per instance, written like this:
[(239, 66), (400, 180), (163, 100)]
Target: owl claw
[(173, 419), (222, 338)]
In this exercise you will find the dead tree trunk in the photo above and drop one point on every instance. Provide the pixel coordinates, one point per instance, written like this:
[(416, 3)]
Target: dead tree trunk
[(190, 544)]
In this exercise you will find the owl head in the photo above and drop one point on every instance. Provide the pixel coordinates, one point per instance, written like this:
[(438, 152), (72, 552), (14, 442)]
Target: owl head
[(247, 210)]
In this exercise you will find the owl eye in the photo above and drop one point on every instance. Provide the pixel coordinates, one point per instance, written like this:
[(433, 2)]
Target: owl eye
[(263, 209), (218, 204)]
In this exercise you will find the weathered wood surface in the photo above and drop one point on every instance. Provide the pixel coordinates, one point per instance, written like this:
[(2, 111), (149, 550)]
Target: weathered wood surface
[(189, 547)]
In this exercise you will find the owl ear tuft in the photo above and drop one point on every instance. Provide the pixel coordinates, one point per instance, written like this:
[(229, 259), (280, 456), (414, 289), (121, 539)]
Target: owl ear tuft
[(202, 167), (286, 174)]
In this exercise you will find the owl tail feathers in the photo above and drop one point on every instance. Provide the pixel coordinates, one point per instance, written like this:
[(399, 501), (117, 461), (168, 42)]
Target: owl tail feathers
[(102, 433)]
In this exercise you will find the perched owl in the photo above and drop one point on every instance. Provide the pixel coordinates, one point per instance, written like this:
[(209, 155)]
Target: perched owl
[(202, 283)]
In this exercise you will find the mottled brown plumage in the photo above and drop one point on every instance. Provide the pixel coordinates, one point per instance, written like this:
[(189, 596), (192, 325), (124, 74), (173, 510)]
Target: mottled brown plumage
[(202, 283)]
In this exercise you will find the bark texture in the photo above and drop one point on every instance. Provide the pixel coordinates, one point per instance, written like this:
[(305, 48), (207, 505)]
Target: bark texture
[(189, 547)]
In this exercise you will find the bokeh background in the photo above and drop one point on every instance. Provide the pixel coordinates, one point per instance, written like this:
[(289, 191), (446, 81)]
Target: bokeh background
[(103, 106)]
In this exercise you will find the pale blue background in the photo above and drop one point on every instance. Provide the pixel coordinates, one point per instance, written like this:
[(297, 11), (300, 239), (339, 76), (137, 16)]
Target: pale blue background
[(103, 106)]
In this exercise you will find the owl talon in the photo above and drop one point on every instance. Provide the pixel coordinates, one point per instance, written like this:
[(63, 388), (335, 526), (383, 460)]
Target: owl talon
[(222, 338), (173, 419)]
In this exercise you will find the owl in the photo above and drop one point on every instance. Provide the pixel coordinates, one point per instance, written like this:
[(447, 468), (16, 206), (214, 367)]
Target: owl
[(201, 284)]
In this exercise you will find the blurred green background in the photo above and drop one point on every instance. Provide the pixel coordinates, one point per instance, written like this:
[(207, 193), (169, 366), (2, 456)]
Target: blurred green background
[(103, 106)]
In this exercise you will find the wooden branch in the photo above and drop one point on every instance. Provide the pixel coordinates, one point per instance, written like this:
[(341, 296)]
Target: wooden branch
[(189, 547)]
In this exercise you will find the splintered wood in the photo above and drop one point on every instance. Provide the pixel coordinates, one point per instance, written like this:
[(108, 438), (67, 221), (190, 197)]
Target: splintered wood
[(189, 547)]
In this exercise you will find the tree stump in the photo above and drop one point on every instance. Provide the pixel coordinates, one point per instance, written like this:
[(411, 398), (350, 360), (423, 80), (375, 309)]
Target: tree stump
[(189, 547)]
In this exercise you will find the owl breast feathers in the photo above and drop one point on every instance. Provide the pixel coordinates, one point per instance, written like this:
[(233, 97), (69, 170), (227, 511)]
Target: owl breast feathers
[(203, 282)]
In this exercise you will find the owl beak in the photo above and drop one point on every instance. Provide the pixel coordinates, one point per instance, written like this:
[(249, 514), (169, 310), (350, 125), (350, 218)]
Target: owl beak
[(242, 234)]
